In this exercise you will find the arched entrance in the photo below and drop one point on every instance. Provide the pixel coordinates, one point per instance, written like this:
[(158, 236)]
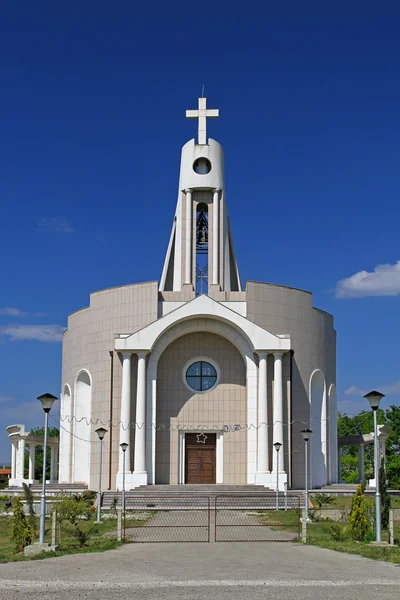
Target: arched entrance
[(184, 414)]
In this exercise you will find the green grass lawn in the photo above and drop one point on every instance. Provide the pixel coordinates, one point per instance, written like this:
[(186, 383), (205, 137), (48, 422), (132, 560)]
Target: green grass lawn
[(68, 545), (319, 534), (104, 536)]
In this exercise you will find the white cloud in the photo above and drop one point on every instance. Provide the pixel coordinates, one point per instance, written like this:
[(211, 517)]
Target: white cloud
[(383, 281), (5, 399), (353, 390), (42, 333), (54, 225), (12, 312), (389, 389)]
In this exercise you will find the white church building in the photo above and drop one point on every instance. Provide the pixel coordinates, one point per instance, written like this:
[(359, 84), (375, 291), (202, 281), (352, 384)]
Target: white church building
[(197, 374)]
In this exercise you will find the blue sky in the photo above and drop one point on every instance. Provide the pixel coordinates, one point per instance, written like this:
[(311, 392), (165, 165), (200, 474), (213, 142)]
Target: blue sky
[(92, 122)]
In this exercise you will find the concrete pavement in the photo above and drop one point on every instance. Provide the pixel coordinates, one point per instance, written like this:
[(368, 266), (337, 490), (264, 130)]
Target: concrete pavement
[(175, 571)]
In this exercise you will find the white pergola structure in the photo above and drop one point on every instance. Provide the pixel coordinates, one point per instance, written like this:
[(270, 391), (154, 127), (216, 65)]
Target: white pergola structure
[(361, 441), (19, 438)]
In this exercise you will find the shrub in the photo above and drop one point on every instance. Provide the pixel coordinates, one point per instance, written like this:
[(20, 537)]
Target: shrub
[(338, 533), (21, 533), (5, 503), (358, 521), (322, 499), (78, 515)]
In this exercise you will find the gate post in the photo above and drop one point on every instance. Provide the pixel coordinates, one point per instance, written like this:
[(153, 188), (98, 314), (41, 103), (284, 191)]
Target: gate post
[(53, 527), (119, 525), (303, 526), (391, 527)]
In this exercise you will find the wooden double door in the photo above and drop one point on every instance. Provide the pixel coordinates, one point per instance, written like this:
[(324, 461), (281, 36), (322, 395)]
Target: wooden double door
[(200, 458)]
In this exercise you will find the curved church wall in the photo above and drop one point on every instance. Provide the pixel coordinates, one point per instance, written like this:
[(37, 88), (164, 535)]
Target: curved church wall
[(285, 310), (87, 344), (177, 405)]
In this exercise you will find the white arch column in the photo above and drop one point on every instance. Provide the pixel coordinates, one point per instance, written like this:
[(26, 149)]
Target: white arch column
[(215, 260), (188, 263), (125, 419), (14, 451), (32, 453), (278, 434), (20, 459), (140, 474), (262, 431)]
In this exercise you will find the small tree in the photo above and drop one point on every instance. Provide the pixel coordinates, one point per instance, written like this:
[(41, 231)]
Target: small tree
[(21, 533), (29, 503), (78, 515), (385, 498), (358, 521)]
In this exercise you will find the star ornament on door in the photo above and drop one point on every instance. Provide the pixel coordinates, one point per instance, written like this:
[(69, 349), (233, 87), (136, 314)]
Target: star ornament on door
[(201, 438)]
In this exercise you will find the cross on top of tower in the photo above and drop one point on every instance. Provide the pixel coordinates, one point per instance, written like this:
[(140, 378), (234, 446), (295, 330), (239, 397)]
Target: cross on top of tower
[(202, 114)]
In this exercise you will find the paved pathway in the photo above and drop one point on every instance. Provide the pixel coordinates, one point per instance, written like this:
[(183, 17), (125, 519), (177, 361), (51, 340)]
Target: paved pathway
[(237, 571)]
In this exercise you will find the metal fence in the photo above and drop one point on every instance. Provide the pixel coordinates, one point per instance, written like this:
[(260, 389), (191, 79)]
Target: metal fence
[(167, 519), (225, 518), (255, 518)]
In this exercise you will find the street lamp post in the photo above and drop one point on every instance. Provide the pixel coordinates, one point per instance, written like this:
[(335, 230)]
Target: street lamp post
[(277, 447), (306, 433), (101, 432), (124, 447), (47, 402), (374, 399)]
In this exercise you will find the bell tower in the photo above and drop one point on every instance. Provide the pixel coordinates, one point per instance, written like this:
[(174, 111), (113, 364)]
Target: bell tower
[(200, 255)]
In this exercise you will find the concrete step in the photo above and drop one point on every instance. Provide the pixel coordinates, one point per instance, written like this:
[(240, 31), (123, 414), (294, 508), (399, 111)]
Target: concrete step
[(187, 491)]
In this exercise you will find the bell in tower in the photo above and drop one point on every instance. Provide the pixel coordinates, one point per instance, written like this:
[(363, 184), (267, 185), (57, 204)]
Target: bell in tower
[(202, 228)]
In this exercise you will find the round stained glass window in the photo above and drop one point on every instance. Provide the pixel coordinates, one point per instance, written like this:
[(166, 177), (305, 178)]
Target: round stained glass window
[(201, 376)]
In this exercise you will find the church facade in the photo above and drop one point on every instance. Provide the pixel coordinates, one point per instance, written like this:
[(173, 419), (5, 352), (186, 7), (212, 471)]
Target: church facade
[(199, 376)]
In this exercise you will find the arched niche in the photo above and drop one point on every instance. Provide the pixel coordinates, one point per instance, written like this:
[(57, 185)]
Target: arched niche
[(318, 425), (82, 415), (64, 468)]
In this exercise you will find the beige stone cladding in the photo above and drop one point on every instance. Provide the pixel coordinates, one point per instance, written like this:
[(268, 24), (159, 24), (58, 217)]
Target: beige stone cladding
[(179, 408), (285, 310), (87, 344)]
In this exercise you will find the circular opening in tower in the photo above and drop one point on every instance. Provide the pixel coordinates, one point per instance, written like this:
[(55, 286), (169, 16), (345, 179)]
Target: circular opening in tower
[(202, 166)]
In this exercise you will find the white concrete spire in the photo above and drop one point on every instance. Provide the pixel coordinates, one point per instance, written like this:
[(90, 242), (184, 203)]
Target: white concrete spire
[(201, 184), (202, 114)]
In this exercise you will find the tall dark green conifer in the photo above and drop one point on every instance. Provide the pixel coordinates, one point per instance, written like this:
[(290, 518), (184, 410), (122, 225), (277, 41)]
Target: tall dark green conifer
[(385, 498)]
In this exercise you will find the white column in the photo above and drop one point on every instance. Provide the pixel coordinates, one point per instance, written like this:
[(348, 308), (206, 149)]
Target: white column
[(52, 448), (140, 428), (125, 420), (278, 412), (262, 414), (188, 262), (13, 459), (215, 262), (20, 459), (32, 452)]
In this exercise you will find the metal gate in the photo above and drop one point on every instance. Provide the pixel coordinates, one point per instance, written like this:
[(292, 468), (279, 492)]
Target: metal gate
[(167, 519), (227, 518), (255, 518)]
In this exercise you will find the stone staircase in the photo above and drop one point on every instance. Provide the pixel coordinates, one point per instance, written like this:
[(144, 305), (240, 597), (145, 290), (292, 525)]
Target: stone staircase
[(51, 488), (189, 491)]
